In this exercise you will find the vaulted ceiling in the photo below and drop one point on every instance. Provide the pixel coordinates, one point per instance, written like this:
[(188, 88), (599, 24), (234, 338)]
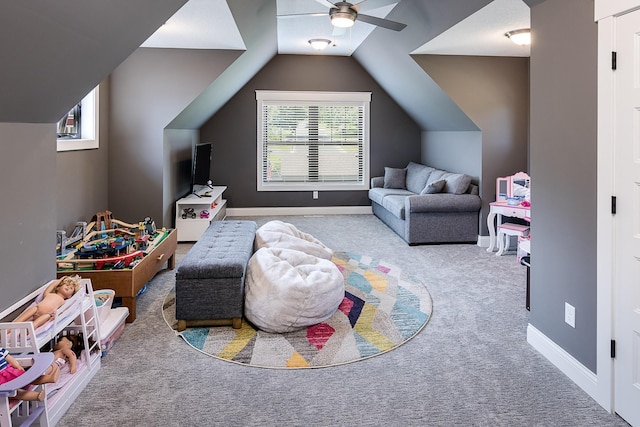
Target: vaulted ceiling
[(55, 52), (209, 24)]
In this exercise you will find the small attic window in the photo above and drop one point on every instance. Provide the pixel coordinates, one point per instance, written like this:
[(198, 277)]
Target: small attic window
[(78, 129)]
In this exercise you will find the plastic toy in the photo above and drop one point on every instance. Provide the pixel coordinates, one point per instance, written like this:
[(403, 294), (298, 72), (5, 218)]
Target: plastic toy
[(11, 369), (63, 353), (52, 298), (204, 214), (188, 213)]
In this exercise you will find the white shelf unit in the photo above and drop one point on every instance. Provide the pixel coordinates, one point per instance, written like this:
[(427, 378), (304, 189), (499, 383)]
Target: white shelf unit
[(77, 315), (205, 198)]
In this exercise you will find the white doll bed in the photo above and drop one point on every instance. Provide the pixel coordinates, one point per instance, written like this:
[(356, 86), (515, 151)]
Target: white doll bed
[(49, 330), (77, 314), (11, 408)]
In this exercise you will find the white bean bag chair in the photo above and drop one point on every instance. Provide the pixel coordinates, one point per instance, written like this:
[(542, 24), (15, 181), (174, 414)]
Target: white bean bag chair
[(278, 234), (287, 290)]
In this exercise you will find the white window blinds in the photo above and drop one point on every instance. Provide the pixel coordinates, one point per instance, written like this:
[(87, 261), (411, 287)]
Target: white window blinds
[(312, 140)]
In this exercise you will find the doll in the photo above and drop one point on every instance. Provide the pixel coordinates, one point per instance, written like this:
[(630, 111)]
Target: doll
[(11, 369), (52, 299), (63, 352)]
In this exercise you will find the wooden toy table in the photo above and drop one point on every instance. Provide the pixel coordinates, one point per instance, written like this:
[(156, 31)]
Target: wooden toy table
[(128, 282)]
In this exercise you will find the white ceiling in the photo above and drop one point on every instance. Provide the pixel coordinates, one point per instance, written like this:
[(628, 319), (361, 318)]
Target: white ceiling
[(294, 32), (199, 24), (483, 32), (208, 24)]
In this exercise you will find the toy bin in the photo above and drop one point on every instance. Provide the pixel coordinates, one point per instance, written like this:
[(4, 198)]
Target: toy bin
[(104, 300), (112, 328)]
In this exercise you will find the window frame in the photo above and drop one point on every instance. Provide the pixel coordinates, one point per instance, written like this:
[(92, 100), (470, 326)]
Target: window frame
[(269, 96), (89, 123)]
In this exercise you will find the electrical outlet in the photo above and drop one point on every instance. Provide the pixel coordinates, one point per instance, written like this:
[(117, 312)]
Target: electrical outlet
[(570, 314), (315, 194)]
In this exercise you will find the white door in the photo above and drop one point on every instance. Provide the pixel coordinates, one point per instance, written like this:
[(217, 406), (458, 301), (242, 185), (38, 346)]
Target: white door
[(627, 219)]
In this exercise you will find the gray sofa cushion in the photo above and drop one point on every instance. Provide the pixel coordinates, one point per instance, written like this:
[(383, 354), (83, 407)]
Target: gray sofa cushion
[(434, 187), (394, 178), (395, 205), (378, 194), (417, 176)]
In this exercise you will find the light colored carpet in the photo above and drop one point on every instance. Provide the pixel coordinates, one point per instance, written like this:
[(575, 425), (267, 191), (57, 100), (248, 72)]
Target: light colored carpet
[(471, 366), (382, 309)]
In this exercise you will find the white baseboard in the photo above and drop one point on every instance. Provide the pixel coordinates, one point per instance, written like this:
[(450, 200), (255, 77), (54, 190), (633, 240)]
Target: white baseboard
[(568, 365), (320, 210)]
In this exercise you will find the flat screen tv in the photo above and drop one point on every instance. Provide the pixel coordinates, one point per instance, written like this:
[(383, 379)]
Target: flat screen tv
[(201, 174)]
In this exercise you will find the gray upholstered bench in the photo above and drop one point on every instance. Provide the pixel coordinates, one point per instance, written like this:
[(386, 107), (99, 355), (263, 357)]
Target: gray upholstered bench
[(210, 278)]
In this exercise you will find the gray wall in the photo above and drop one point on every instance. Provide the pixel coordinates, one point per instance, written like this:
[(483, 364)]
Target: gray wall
[(178, 161), (563, 170), (395, 138), (50, 63), (148, 90), (459, 152), (28, 209), (494, 93), (54, 53), (386, 55), (82, 176)]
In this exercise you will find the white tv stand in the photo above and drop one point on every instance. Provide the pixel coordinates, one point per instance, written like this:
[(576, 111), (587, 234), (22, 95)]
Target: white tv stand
[(203, 198)]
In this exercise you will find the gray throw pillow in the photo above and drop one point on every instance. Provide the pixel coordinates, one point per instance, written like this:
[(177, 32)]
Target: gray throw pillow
[(434, 187), (394, 178), (457, 183), (417, 176)]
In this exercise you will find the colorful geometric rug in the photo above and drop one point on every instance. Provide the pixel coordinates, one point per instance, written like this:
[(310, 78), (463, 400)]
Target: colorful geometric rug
[(382, 309)]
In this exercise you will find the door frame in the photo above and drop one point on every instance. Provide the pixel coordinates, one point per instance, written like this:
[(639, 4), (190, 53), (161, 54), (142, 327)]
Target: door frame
[(605, 15)]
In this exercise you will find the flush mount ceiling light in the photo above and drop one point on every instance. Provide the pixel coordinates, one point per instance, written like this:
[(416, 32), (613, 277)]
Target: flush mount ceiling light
[(520, 37), (343, 16), (319, 44)]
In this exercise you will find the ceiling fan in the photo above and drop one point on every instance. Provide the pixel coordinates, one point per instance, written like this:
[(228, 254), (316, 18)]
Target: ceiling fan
[(344, 14)]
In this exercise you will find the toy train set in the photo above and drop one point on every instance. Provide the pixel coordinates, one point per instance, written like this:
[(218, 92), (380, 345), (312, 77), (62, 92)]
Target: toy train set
[(106, 243)]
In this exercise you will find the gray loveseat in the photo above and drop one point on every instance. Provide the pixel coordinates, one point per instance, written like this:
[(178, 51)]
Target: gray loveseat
[(427, 205)]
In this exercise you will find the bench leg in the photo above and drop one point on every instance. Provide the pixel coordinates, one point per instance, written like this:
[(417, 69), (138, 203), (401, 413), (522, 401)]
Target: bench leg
[(182, 325), (236, 322)]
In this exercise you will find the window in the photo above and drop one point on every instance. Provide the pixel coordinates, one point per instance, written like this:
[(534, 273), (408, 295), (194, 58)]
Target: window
[(313, 140), (78, 129)]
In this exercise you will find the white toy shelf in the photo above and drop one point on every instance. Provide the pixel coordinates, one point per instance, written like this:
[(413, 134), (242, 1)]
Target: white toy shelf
[(77, 316)]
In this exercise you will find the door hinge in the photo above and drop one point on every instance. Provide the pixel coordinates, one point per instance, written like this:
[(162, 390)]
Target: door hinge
[(614, 60), (613, 349), (613, 205)]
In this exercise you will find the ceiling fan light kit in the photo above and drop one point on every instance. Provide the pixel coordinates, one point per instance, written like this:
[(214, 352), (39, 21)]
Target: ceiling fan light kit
[(343, 16), (520, 37), (319, 44)]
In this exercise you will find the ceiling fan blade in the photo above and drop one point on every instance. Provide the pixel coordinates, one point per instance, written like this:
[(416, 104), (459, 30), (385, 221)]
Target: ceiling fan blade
[(384, 23), (326, 3), (295, 15)]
